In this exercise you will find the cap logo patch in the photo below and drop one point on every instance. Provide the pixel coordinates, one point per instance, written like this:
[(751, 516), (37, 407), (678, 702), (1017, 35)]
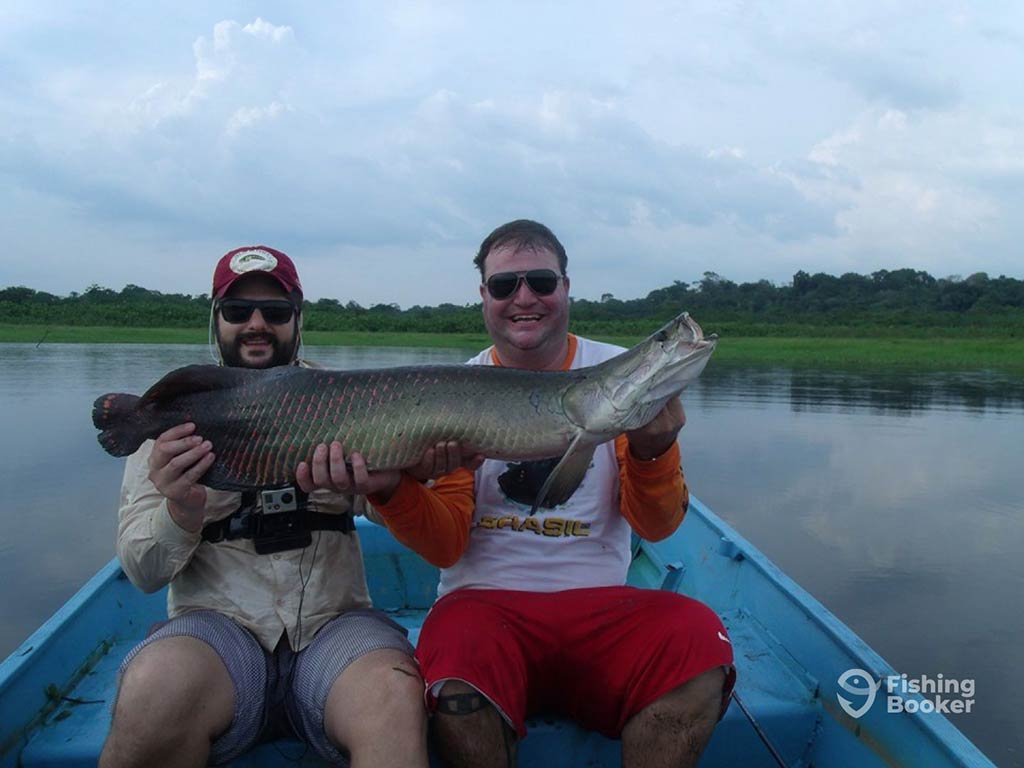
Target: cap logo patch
[(252, 260)]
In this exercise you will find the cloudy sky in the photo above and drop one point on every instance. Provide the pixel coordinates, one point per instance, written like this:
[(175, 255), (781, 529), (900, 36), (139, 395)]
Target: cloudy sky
[(378, 143)]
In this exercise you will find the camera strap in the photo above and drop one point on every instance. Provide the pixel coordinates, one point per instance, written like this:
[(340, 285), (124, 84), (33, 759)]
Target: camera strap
[(241, 524)]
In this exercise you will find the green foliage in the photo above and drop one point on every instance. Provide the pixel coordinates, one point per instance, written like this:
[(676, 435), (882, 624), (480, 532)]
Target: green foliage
[(130, 308), (903, 302)]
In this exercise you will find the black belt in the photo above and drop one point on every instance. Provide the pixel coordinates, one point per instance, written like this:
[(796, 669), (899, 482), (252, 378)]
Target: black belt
[(242, 524)]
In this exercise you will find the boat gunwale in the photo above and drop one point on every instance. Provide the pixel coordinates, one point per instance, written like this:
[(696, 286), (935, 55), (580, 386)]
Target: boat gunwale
[(936, 727)]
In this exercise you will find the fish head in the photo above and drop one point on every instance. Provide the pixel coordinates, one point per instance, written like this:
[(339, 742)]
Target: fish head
[(629, 390)]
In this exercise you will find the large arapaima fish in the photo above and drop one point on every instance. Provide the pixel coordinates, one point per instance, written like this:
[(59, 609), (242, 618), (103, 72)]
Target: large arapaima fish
[(262, 423)]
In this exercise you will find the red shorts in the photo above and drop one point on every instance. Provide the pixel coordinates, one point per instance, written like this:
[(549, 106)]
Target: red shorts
[(597, 656)]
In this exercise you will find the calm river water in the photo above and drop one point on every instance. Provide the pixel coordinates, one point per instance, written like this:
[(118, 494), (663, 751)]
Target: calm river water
[(894, 498)]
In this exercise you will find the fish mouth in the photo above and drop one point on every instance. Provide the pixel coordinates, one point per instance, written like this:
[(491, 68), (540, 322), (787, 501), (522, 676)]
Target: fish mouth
[(626, 391), (674, 356)]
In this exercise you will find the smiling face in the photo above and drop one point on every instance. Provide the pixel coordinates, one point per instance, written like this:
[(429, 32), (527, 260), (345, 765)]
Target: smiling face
[(256, 343), (528, 331)]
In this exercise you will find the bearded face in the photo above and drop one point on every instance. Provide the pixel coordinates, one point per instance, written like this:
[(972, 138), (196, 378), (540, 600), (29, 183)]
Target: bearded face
[(256, 342)]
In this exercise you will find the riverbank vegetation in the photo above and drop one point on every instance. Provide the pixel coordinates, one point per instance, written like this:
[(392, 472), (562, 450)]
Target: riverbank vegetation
[(823, 351), (902, 316)]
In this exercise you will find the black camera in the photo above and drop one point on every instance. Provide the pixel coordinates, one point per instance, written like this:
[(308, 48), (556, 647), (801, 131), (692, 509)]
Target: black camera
[(280, 521)]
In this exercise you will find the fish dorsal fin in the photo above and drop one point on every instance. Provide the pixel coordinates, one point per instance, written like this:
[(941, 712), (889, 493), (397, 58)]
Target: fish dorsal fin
[(567, 475), (192, 379)]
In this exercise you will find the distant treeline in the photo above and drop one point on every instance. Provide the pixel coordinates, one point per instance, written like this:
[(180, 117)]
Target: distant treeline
[(905, 300)]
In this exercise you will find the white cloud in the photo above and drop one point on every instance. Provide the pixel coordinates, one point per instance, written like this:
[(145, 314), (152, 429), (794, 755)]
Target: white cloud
[(246, 117), (234, 67), (926, 188), (825, 139)]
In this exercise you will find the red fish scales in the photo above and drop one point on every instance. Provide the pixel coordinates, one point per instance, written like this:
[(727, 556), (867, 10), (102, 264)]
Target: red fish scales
[(267, 451), (291, 448), (255, 449), (234, 446), (275, 443), (316, 431), (302, 410), (279, 454), (311, 405)]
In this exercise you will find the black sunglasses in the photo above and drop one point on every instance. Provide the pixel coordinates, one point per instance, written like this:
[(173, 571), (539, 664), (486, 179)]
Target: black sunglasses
[(274, 311), (542, 282)]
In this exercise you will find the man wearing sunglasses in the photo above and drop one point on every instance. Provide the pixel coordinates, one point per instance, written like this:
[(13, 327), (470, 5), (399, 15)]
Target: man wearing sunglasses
[(271, 628), (533, 616)]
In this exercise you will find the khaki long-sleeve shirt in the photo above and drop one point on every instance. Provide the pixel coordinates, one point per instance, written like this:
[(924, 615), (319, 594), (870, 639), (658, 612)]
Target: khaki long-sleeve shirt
[(262, 592)]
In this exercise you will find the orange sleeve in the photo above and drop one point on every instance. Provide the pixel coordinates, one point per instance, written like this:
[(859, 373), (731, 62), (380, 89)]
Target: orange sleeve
[(653, 494), (433, 522)]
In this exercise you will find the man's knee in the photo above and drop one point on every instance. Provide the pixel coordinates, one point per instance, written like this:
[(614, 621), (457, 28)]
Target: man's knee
[(469, 731), (674, 729), (180, 676), (698, 700), (460, 699), (174, 696), (378, 693)]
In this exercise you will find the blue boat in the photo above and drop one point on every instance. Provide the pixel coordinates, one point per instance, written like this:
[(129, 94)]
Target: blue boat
[(57, 688)]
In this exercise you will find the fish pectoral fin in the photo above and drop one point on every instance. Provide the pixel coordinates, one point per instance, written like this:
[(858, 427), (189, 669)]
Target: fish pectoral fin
[(191, 379), (567, 475)]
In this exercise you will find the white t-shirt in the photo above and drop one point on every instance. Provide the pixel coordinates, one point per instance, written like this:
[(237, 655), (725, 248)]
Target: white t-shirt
[(584, 542)]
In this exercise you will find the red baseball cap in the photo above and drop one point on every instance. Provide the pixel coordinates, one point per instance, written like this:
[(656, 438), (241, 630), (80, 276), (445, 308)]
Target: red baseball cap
[(255, 258)]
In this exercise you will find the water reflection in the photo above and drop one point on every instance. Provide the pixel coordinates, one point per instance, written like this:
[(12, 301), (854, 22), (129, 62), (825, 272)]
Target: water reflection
[(895, 501), (880, 391)]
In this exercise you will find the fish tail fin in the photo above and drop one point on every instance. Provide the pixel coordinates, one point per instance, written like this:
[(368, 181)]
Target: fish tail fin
[(123, 428)]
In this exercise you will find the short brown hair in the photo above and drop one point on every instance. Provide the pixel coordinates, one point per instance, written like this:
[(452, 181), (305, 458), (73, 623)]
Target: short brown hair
[(521, 233)]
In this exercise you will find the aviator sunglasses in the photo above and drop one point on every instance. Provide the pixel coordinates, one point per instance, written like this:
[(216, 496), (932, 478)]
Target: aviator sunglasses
[(542, 282), (274, 311)]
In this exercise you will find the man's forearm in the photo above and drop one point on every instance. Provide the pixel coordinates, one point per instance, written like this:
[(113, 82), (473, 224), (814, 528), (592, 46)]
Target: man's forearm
[(151, 546), (433, 522), (654, 497)]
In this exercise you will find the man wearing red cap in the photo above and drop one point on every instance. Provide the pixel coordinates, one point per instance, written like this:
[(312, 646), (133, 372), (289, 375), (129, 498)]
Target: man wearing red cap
[(270, 631), (272, 275)]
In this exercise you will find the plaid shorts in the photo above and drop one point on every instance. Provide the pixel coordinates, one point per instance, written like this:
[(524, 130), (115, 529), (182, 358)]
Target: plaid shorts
[(282, 690)]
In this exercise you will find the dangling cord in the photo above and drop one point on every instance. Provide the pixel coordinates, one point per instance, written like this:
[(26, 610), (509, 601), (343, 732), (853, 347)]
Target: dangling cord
[(286, 687), (297, 357), (211, 336)]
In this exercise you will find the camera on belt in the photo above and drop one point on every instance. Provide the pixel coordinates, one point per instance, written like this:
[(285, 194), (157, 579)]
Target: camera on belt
[(278, 500), (276, 520), (281, 521)]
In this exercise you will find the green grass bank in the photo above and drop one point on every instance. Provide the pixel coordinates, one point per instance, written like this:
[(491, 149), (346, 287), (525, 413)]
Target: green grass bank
[(894, 350)]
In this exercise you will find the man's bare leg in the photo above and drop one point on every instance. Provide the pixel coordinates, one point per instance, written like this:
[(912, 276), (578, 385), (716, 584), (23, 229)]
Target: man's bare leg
[(469, 732), (375, 712), (673, 731), (175, 699)]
